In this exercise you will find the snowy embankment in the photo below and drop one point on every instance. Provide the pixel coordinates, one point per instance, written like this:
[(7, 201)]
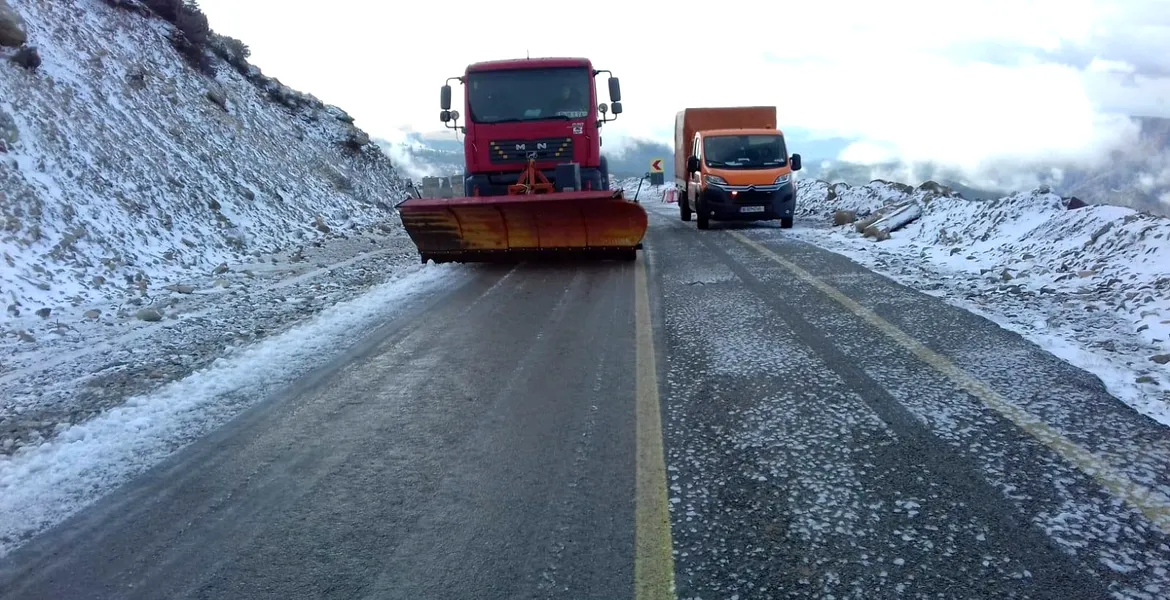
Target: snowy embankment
[(1089, 284), (155, 215), (176, 245)]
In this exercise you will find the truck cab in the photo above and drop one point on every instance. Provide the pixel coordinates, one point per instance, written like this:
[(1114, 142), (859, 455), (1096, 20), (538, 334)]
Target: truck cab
[(541, 109), (740, 174)]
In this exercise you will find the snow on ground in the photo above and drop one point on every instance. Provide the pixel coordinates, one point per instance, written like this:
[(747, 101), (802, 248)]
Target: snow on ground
[(173, 247), (44, 484), (644, 193), (93, 366), (153, 217), (1090, 285)]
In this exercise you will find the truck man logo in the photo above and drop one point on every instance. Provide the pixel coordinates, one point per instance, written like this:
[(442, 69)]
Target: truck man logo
[(539, 146), (532, 154)]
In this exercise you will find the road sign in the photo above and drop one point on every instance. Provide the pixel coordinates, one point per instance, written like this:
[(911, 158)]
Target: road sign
[(656, 166)]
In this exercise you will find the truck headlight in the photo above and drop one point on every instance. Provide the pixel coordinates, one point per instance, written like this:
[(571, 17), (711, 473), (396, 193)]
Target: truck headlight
[(714, 179)]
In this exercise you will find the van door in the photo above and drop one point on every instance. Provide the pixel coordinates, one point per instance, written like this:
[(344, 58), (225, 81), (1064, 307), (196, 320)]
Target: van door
[(696, 178)]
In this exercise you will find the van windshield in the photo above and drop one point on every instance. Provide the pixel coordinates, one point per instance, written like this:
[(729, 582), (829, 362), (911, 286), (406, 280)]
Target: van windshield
[(528, 95), (745, 151)]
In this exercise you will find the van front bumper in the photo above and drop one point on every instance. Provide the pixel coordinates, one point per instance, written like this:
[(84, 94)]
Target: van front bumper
[(749, 203)]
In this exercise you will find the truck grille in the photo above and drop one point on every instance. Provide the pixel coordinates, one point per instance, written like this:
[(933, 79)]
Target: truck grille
[(511, 151)]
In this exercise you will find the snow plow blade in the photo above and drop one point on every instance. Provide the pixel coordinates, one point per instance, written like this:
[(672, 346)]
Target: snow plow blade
[(589, 224)]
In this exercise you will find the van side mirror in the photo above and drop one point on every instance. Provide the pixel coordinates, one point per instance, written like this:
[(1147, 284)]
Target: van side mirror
[(445, 98), (693, 164), (615, 91), (795, 162)]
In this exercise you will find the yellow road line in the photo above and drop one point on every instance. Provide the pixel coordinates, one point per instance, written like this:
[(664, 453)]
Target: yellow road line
[(1154, 505), (653, 561)]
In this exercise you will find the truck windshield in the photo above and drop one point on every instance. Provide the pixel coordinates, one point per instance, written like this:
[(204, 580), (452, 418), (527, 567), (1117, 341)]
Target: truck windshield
[(745, 151), (528, 95)]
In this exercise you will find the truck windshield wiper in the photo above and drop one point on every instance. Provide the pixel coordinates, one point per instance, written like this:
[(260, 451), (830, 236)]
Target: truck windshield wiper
[(525, 120)]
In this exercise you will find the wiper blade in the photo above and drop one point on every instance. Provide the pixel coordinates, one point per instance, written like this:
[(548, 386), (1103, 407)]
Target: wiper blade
[(528, 119)]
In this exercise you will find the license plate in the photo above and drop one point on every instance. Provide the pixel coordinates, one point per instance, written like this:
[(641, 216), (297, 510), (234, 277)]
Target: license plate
[(751, 209)]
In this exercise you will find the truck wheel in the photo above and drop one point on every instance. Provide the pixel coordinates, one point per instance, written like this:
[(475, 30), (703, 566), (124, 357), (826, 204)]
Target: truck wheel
[(786, 222), (684, 208)]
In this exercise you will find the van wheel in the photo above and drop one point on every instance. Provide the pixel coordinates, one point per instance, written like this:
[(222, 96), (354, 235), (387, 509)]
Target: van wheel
[(786, 222), (684, 209), (703, 214)]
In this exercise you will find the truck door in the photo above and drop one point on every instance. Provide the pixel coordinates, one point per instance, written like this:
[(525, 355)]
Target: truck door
[(695, 179)]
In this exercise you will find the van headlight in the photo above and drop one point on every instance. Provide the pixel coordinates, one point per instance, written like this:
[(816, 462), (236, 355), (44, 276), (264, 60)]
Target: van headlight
[(783, 179), (714, 179)]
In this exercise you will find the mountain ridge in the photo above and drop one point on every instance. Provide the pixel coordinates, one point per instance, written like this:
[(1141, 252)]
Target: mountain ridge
[(1137, 177)]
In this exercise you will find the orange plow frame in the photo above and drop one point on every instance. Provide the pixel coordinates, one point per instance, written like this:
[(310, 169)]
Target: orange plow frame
[(532, 221)]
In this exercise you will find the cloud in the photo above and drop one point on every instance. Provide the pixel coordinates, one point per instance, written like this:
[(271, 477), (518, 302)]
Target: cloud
[(967, 84)]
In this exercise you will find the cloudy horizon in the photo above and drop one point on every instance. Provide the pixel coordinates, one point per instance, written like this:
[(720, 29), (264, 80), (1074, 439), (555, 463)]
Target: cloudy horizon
[(966, 85)]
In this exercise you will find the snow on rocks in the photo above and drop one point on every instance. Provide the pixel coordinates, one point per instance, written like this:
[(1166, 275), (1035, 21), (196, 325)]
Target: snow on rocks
[(123, 170), (1091, 285), (154, 219)]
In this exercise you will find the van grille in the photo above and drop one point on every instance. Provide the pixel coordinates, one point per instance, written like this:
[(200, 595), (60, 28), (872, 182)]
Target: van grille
[(753, 197)]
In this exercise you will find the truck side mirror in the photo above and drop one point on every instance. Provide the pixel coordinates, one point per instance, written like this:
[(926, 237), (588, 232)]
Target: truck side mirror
[(693, 164), (445, 116), (445, 98), (617, 108), (615, 91), (795, 162)]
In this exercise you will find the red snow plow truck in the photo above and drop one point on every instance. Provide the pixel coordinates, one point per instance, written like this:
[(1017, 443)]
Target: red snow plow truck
[(535, 183)]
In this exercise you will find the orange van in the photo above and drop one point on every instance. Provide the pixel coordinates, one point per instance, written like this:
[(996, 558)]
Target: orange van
[(742, 174)]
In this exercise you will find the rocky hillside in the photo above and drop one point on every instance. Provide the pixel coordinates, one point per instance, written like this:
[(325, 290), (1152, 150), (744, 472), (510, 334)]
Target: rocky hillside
[(139, 150)]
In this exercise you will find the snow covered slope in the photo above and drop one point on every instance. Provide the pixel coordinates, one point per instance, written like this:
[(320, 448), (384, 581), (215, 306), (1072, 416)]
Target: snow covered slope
[(180, 236), (129, 170), (1091, 285)]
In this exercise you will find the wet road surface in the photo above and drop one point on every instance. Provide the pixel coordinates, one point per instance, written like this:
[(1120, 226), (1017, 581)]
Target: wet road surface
[(825, 432)]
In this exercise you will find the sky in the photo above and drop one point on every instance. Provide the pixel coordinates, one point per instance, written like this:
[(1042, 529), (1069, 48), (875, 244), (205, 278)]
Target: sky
[(960, 83)]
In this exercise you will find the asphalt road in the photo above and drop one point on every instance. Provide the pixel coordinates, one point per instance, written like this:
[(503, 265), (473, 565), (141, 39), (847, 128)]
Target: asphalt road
[(813, 429)]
